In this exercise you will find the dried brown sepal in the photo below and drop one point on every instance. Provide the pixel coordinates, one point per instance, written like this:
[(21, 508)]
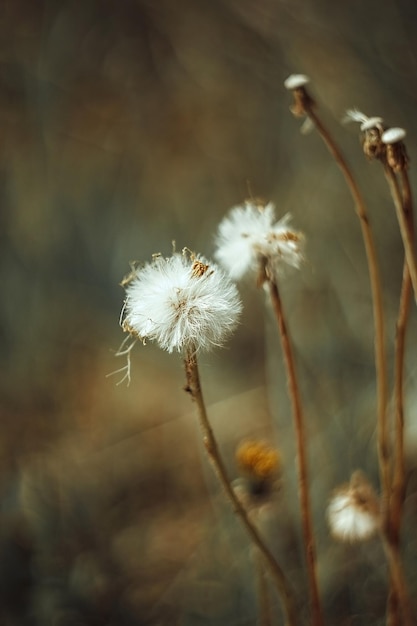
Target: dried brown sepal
[(397, 157), (303, 102), (127, 328), (372, 145)]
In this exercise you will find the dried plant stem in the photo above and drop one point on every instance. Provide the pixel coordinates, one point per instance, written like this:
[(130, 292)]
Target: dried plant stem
[(306, 518), (398, 483), (403, 221), (399, 477), (398, 581), (264, 618), (281, 583), (378, 312)]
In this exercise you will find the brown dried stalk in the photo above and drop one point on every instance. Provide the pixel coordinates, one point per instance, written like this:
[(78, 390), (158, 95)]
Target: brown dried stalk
[(303, 485), (305, 105), (278, 576)]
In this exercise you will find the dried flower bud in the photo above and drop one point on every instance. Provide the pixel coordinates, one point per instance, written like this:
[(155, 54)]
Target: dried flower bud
[(302, 100), (397, 157), (372, 129)]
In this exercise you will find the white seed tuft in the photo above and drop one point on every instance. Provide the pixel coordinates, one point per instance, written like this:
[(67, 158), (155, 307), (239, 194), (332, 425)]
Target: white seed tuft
[(295, 81), (181, 302), (249, 235)]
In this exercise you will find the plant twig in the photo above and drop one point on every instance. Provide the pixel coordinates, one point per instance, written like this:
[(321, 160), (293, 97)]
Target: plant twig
[(264, 604), (306, 518), (399, 480), (399, 477), (402, 211), (281, 583), (398, 580), (377, 301)]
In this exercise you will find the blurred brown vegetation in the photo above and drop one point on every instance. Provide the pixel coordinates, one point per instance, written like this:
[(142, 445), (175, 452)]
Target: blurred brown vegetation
[(124, 126)]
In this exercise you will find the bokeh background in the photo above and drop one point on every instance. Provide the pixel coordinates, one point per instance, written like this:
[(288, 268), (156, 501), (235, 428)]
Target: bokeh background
[(126, 125)]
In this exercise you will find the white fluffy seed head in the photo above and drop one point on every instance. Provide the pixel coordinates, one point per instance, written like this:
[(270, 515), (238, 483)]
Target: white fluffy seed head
[(249, 235), (181, 302), (353, 511)]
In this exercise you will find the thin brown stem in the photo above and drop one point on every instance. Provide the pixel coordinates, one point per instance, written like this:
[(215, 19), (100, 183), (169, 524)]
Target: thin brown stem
[(264, 605), (398, 485), (399, 476), (280, 580), (398, 482), (398, 581), (402, 211), (377, 301), (303, 485)]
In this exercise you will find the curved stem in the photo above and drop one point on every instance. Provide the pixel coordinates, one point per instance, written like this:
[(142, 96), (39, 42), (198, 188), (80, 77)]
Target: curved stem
[(281, 583), (378, 313), (303, 486)]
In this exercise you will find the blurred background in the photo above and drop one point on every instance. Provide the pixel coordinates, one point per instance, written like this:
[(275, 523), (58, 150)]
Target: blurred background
[(126, 125)]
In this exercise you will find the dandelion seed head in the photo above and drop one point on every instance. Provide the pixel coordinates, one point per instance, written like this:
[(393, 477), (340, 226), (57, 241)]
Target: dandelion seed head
[(353, 511), (249, 235), (181, 302)]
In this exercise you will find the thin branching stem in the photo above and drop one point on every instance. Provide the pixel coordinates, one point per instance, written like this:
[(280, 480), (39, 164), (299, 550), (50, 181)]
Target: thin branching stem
[(303, 483), (378, 310), (278, 576)]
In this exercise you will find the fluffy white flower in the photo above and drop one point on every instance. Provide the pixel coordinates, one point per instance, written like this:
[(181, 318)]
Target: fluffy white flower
[(353, 511), (181, 302), (249, 235)]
